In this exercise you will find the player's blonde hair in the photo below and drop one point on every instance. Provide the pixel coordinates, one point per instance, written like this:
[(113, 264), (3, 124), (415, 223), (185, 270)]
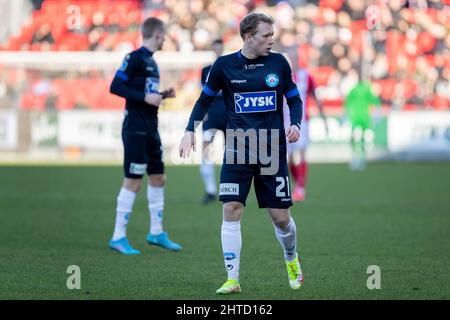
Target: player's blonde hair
[(250, 22)]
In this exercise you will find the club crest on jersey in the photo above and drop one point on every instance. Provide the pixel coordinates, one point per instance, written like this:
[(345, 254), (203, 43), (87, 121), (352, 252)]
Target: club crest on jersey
[(272, 80), (263, 101)]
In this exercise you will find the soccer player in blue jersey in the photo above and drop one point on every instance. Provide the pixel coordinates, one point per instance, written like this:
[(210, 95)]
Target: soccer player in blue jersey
[(215, 120), (137, 81), (253, 82)]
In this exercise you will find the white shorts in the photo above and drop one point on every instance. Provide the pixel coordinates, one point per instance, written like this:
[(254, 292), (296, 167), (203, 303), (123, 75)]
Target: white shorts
[(208, 135)]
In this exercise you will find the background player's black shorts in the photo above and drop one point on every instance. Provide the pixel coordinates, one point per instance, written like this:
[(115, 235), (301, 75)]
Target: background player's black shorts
[(272, 191), (142, 153)]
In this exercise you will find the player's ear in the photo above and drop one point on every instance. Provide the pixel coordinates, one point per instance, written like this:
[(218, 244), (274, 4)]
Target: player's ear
[(159, 33)]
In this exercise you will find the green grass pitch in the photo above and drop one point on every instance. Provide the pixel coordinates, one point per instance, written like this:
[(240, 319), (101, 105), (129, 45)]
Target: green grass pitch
[(393, 215)]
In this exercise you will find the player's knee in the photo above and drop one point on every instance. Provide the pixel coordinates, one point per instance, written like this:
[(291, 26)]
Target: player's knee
[(133, 185), (157, 180), (282, 221), (232, 211)]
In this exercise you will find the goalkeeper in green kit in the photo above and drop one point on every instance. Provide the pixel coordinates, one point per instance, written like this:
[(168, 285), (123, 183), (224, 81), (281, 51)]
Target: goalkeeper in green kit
[(357, 108)]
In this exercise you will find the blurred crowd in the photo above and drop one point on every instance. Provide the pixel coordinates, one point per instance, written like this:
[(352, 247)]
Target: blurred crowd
[(401, 46)]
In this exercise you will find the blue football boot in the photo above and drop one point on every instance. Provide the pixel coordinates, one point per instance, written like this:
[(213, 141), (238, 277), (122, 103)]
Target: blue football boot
[(163, 241), (123, 246)]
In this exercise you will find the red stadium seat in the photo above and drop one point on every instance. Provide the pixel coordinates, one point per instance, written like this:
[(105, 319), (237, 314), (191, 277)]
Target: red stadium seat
[(331, 103), (357, 28), (332, 4), (113, 102), (27, 32), (387, 87), (410, 88), (35, 47), (440, 103), (410, 107), (394, 47), (29, 101), (66, 96), (426, 42), (14, 43)]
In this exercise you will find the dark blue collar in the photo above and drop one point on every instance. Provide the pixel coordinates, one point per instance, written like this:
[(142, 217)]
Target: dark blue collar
[(241, 56), (144, 49)]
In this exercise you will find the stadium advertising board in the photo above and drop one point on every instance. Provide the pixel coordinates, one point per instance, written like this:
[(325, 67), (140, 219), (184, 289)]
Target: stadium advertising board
[(90, 130), (44, 129), (420, 131), (8, 130)]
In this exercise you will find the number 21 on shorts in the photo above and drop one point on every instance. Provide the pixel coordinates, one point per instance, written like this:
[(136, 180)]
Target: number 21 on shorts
[(283, 186)]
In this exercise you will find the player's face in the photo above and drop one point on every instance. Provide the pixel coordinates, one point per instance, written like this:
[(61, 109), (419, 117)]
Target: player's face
[(262, 41)]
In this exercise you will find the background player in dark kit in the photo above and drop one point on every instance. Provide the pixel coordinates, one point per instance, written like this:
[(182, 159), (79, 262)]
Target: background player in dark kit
[(216, 119), (137, 81)]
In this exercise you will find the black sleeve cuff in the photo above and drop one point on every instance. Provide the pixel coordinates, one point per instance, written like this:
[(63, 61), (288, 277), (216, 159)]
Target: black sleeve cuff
[(296, 124)]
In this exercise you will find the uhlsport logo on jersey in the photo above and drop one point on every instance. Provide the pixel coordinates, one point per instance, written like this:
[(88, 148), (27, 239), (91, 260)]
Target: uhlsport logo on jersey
[(272, 80), (263, 101)]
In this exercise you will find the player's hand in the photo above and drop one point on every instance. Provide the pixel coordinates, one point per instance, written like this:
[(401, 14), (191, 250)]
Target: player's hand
[(187, 143), (293, 134), (153, 98), (169, 93)]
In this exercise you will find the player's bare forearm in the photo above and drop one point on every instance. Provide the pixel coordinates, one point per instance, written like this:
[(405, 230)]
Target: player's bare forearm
[(153, 99)]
